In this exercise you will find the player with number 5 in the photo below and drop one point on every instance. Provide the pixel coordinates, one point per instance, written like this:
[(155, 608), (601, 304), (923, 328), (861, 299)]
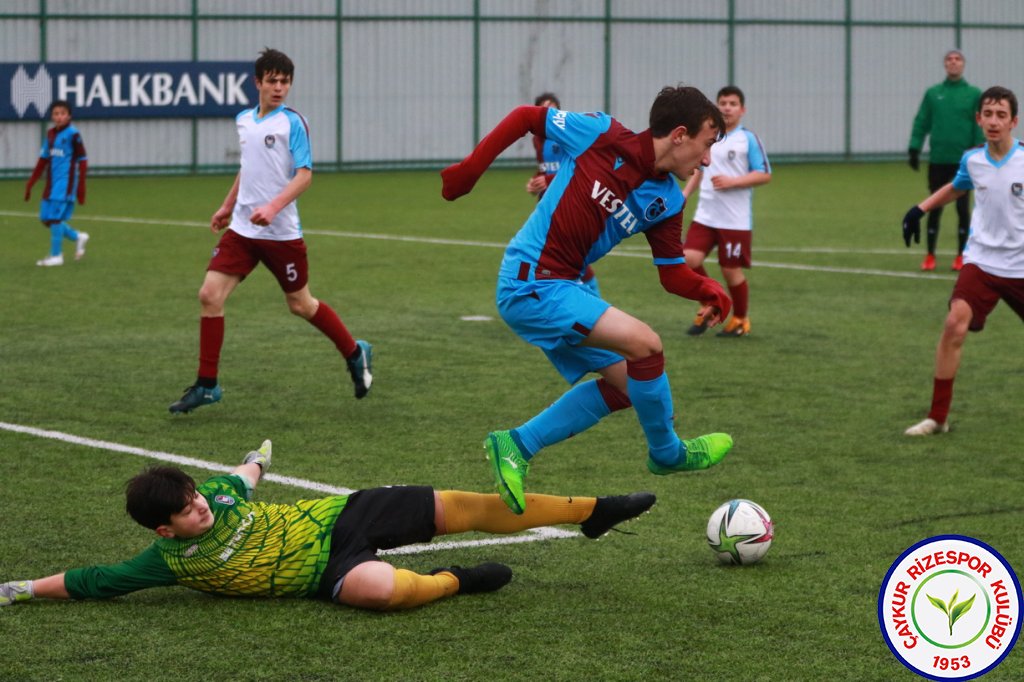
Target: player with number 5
[(262, 221)]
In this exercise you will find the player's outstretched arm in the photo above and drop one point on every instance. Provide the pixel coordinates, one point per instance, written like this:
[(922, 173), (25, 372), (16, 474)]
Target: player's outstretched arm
[(751, 179), (946, 194), (18, 591), (692, 183), (37, 173), (255, 463), (459, 179), (680, 280), (83, 167), (222, 216), (264, 215)]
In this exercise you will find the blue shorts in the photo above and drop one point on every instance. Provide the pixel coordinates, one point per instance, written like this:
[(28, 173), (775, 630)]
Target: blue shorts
[(556, 315), (55, 211)]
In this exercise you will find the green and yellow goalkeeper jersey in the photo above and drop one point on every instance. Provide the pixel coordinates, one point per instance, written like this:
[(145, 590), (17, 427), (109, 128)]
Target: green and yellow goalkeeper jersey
[(253, 549)]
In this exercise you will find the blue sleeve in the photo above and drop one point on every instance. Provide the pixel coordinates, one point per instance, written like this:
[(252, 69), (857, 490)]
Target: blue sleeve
[(962, 180), (573, 131), (756, 156), (298, 141)]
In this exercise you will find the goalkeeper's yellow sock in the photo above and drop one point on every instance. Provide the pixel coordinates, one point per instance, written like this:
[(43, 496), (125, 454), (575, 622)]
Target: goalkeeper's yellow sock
[(413, 589), (465, 511)]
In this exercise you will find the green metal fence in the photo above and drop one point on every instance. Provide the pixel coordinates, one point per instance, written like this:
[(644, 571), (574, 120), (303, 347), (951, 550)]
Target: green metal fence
[(407, 84)]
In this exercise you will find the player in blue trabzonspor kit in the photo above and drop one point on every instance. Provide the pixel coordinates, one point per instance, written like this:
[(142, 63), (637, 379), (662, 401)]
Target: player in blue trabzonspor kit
[(613, 184), (549, 160), (64, 161)]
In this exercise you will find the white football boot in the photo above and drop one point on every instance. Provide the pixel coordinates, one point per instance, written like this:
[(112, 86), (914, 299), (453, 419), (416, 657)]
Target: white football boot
[(928, 427), (83, 238)]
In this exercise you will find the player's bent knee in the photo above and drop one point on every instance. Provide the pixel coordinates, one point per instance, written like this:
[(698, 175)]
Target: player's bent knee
[(958, 321), (369, 585), (647, 343), (211, 300), (306, 312)]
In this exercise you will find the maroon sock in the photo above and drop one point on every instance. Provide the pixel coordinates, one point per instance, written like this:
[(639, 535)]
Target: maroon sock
[(646, 369), (942, 396), (740, 299), (328, 322), (700, 270), (211, 338), (614, 398)]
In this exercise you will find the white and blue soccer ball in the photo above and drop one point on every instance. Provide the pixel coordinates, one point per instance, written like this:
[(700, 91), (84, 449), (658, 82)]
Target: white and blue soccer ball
[(740, 532)]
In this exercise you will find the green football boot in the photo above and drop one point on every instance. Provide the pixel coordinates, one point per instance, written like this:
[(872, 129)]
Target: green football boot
[(697, 453), (196, 396), (360, 368), (509, 468)]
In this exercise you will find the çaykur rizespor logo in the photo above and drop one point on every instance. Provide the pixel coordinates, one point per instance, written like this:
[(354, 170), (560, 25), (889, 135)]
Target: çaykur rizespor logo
[(949, 607), (113, 91)]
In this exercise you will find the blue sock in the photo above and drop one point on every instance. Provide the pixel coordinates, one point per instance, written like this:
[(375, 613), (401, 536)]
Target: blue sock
[(69, 232), (56, 238), (652, 401), (577, 410)]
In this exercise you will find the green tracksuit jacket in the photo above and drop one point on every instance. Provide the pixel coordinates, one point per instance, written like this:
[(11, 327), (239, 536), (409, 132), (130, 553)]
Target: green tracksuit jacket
[(947, 114)]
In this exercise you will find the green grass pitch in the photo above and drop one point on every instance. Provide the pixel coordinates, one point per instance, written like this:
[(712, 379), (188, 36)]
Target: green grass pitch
[(838, 364)]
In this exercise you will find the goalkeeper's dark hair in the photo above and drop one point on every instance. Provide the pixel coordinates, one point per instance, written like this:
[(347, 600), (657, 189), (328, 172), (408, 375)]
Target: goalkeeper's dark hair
[(274, 61), (684, 105), (996, 94), (547, 97), (156, 493)]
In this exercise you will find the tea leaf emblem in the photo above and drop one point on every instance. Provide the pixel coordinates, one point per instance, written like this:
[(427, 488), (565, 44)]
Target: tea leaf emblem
[(953, 611)]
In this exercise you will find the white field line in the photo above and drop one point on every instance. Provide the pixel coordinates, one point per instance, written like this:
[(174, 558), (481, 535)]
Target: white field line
[(530, 536), (625, 252)]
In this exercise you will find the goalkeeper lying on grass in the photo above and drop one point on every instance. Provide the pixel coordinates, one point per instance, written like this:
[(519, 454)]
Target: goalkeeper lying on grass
[(212, 538)]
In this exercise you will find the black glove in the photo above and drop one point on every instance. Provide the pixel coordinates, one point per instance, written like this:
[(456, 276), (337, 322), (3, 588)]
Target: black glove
[(912, 225), (915, 158)]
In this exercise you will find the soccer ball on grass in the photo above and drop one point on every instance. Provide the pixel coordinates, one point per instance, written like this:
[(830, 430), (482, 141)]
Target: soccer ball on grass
[(740, 532)]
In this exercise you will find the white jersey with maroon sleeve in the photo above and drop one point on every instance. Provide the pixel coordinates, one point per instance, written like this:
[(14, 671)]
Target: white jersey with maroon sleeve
[(273, 148), (738, 154), (996, 241)]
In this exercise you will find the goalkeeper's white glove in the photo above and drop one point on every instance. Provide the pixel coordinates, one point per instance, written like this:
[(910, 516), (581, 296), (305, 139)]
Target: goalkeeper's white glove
[(261, 457), (15, 591)]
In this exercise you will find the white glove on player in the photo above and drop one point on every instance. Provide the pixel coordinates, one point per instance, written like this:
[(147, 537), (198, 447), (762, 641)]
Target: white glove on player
[(261, 457), (15, 591)]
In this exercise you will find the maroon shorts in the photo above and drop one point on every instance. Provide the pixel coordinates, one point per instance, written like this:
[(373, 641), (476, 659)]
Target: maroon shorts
[(733, 245), (238, 255), (981, 291)]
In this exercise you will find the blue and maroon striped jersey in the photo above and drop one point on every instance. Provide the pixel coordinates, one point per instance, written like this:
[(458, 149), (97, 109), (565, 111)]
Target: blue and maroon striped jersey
[(606, 190), (62, 149)]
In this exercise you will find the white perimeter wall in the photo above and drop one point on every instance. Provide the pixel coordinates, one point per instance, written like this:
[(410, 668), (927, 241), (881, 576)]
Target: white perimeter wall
[(396, 80)]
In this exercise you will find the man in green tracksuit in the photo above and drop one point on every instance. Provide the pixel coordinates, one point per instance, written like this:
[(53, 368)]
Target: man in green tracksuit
[(947, 114)]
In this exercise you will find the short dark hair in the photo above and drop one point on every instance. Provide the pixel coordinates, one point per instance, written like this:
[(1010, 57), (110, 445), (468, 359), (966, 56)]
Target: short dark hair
[(547, 97), (683, 105), (274, 61), (60, 104), (732, 90), (153, 495), (998, 93)]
